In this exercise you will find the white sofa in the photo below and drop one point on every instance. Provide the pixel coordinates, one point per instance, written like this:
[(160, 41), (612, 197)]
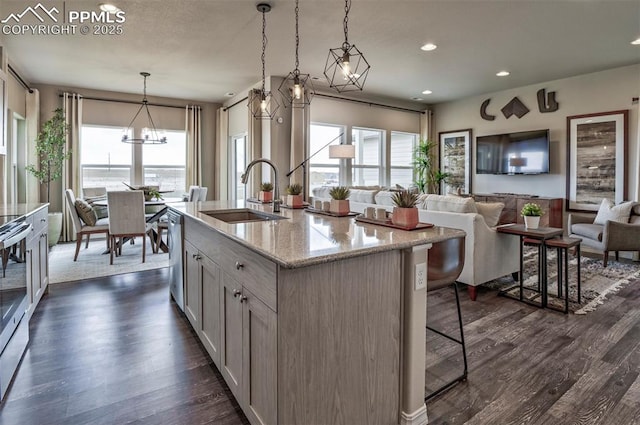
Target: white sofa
[(488, 254)]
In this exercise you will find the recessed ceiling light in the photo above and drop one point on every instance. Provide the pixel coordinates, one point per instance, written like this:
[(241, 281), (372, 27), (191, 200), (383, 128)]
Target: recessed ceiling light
[(636, 42), (429, 47), (315, 78), (502, 73), (108, 7), (229, 94), (427, 92), (417, 98)]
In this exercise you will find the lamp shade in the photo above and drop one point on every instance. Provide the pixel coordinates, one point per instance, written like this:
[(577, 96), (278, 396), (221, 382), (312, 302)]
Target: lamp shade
[(342, 151)]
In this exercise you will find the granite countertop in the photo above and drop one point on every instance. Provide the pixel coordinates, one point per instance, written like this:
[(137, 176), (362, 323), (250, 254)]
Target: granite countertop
[(20, 209), (304, 239)]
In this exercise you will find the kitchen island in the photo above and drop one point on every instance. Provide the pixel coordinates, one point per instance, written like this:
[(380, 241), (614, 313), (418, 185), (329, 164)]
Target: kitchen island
[(311, 319)]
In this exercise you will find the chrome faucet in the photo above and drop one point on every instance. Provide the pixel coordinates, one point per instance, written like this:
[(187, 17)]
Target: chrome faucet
[(276, 193)]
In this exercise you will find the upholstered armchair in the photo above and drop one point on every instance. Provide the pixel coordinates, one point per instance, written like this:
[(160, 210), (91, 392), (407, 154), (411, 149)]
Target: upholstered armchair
[(611, 236)]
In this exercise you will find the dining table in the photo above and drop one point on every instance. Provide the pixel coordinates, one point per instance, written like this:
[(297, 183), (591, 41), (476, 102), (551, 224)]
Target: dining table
[(150, 218)]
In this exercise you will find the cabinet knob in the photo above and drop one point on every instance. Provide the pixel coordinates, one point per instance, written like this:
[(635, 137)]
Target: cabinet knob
[(236, 292), (196, 256), (239, 265), (243, 298), (43, 220)]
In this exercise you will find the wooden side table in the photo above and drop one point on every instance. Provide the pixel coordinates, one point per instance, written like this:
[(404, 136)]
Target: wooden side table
[(562, 246), (542, 234)]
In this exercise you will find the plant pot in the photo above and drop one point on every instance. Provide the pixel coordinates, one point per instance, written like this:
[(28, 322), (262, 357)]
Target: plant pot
[(531, 221), (265, 196), (54, 229), (405, 217), (294, 201), (340, 207)]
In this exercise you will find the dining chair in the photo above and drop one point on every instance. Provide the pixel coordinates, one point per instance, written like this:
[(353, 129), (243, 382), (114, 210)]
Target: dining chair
[(127, 219), (203, 193), (194, 194), (82, 229)]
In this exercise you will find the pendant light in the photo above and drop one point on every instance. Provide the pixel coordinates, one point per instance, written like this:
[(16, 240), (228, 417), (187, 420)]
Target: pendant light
[(346, 68), (261, 102), (149, 134), (297, 89)]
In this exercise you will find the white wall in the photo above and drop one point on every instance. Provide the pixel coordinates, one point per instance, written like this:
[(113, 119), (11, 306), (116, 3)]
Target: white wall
[(604, 91)]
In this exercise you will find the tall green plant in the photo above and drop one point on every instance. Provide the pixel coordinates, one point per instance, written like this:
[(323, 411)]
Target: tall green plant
[(424, 166), (50, 146)]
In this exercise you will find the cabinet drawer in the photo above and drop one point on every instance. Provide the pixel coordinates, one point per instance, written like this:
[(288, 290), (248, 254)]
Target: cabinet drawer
[(40, 219), (250, 269)]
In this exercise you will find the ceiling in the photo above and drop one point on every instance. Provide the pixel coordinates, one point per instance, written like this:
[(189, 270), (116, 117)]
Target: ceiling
[(202, 49)]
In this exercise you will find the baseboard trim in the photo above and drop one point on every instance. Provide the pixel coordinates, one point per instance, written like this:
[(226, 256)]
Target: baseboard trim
[(419, 417)]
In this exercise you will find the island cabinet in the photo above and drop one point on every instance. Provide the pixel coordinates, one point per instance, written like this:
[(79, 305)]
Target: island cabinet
[(38, 258), (230, 302)]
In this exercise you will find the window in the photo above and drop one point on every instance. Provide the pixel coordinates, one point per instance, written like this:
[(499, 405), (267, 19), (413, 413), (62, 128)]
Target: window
[(104, 160), (401, 157), (367, 165), (237, 165), (107, 162), (323, 171), (165, 165)]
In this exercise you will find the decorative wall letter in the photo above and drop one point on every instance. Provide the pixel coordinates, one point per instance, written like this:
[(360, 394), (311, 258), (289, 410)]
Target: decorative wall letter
[(515, 107), (550, 100), (483, 111)]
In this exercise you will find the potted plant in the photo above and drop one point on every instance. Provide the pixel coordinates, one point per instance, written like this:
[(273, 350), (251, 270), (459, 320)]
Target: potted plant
[(294, 199), (266, 192), (405, 212), (427, 175), (151, 193), (50, 146), (339, 201), (531, 213)]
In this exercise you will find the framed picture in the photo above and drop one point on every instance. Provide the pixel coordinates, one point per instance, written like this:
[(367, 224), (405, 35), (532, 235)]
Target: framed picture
[(596, 159), (455, 161)]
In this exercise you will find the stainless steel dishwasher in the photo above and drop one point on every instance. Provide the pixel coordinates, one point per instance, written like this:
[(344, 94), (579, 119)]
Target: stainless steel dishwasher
[(175, 257)]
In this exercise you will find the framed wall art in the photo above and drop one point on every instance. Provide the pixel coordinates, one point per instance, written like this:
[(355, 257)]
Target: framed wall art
[(455, 160), (596, 159)]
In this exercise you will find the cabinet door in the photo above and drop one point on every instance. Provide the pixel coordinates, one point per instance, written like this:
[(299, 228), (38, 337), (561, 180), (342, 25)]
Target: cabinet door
[(231, 334), (33, 266), (192, 287), (43, 264), (259, 360), (210, 330)]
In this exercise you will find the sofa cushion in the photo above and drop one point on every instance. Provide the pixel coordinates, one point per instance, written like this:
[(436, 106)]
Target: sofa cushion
[(86, 212), (634, 219), (490, 211), (363, 196), (450, 204), (590, 231), (610, 212), (384, 198), (321, 192), (636, 209)]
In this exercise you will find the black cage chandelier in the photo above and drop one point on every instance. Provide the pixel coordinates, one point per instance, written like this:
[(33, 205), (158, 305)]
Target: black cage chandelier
[(297, 89), (150, 134), (261, 102), (346, 68)]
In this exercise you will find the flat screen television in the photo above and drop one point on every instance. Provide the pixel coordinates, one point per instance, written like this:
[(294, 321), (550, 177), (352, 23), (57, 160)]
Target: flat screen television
[(525, 152)]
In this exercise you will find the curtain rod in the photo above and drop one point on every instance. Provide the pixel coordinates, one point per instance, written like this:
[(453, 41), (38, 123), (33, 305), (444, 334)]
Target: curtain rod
[(102, 99), (19, 78), (369, 103), (240, 101)]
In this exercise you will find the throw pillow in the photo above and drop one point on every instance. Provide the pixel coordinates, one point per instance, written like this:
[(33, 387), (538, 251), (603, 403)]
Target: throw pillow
[(610, 212), (86, 213), (450, 204), (101, 211), (490, 211)]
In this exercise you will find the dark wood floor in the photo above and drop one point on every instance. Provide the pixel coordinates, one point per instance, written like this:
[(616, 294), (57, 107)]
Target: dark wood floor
[(116, 351), (533, 366)]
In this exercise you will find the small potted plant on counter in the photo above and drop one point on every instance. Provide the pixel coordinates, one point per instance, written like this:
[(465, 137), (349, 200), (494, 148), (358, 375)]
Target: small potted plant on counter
[(405, 212), (531, 213), (339, 201), (266, 192), (294, 199)]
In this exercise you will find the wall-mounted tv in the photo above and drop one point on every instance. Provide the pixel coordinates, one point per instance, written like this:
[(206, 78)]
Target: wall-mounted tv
[(525, 152)]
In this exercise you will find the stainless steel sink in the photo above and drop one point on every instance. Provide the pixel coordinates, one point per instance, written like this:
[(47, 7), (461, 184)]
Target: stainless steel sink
[(241, 215)]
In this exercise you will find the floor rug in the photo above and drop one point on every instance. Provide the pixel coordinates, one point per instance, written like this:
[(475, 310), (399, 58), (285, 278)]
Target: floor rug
[(597, 282), (92, 262)]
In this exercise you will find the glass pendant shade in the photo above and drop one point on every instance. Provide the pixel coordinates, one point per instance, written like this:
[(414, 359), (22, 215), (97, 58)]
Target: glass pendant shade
[(150, 135)]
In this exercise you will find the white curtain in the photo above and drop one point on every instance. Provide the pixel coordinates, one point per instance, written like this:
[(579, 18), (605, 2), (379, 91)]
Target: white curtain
[(221, 171), (194, 145), (299, 143), (256, 138), (72, 108), (32, 186), (426, 130)]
